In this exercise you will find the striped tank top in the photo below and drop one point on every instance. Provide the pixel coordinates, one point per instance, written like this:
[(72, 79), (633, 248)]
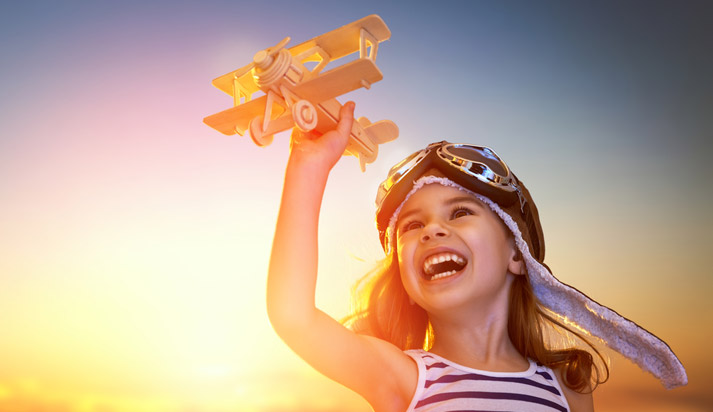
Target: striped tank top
[(446, 386)]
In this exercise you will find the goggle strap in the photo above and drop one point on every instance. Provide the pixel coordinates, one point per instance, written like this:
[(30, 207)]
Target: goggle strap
[(521, 198)]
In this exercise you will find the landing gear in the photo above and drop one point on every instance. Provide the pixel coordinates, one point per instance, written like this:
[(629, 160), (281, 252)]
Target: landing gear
[(305, 115), (256, 132)]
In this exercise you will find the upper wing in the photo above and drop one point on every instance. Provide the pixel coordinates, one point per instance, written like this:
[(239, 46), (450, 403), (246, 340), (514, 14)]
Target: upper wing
[(336, 43), (345, 40)]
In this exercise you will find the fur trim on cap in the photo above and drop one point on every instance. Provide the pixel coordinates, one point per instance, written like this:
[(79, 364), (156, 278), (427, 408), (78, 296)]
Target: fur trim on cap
[(624, 336)]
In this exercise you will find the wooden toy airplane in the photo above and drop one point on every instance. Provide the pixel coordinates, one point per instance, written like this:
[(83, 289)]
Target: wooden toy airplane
[(298, 96)]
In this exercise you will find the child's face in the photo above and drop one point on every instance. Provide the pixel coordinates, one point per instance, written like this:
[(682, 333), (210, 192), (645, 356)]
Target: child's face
[(453, 250)]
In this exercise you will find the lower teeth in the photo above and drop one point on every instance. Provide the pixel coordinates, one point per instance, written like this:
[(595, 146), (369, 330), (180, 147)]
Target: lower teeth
[(443, 275)]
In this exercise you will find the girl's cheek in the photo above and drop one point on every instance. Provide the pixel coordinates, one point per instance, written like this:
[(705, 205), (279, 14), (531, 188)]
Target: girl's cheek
[(403, 240), (402, 250), (399, 246), (401, 254)]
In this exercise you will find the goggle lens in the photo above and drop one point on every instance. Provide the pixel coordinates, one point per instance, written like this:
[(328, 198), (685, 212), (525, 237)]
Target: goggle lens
[(479, 162), (482, 155), (397, 172)]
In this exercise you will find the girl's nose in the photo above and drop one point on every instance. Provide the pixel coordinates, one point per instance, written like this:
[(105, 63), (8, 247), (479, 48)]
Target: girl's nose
[(432, 231)]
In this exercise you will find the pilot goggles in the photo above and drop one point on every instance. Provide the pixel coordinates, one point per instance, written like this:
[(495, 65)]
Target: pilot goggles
[(476, 168)]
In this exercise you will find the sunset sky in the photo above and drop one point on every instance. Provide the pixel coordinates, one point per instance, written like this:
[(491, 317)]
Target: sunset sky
[(134, 239)]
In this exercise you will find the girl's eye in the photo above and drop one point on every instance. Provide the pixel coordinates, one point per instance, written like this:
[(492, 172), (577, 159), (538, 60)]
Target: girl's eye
[(411, 226), (460, 212)]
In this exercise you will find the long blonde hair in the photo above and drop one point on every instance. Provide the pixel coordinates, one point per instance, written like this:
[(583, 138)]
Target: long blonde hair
[(382, 308)]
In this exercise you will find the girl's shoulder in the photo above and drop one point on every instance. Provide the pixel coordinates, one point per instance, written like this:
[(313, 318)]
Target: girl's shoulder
[(444, 385), (393, 375)]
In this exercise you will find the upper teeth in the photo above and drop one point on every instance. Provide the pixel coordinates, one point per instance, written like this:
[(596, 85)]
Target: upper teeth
[(440, 258)]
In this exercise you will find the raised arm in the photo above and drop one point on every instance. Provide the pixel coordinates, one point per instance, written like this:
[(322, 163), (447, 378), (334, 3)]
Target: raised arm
[(377, 370)]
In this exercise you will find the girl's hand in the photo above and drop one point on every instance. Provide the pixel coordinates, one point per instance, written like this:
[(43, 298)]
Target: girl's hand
[(326, 149)]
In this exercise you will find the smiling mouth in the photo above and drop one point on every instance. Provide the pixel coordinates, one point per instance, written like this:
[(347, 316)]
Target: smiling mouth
[(443, 265)]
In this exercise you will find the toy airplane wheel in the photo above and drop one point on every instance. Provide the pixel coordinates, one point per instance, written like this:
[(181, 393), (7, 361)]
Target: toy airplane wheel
[(305, 115), (256, 134)]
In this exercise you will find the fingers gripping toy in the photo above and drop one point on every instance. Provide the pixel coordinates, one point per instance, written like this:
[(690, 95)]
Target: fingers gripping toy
[(297, 96)]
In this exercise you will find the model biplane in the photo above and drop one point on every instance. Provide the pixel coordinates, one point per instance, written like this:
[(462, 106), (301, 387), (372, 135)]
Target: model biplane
[(295, 95)]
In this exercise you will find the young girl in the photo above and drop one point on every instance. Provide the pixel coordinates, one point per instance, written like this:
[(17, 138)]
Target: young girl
[(459, 317)]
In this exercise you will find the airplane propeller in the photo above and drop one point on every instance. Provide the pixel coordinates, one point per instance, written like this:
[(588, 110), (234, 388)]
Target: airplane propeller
[(263, 59)]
